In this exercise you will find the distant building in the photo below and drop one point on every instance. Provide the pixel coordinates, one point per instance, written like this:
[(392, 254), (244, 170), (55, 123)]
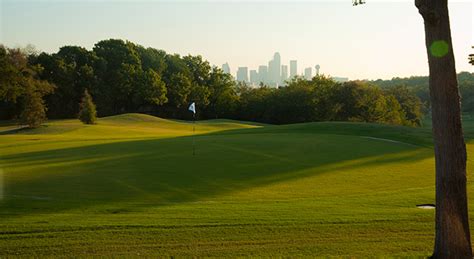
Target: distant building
[(293, 68), (262, 74), (317, 67), (308, 73), (284, 73), (340, 79), (226, 68), (242, 74), (270, 72), (274, 66), (254, 77)]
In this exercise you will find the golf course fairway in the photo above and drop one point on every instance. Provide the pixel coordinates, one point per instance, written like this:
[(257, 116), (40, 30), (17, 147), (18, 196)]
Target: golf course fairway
[(130, 186)]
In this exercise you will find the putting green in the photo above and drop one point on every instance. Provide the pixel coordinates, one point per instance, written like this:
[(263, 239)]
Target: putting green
[(130, 186)]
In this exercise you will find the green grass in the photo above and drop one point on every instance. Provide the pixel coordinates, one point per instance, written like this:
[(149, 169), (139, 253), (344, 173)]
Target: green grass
[(130, 186)]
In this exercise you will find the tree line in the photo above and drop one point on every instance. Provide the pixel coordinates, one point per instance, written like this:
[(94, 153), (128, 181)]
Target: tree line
[(123, 77), (420, 86), (323, 99)]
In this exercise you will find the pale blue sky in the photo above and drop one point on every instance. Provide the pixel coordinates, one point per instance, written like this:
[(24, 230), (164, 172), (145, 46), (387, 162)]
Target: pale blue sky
[(381, 39)]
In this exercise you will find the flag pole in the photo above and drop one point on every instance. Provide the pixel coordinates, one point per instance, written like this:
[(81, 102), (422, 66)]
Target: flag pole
[(194, 134), (192, 108)]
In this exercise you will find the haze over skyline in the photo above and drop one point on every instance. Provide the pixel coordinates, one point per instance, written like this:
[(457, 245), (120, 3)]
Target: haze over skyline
[(378, 40)]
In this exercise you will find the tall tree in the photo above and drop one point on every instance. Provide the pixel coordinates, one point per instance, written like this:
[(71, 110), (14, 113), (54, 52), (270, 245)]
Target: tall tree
[(118, 67), (452, 223), (452, 239)]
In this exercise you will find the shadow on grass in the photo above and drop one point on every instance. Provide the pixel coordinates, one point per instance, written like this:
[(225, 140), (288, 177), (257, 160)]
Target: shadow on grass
[(157, 172)]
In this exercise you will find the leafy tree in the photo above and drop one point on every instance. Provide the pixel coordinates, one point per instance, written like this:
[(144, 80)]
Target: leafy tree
[(71, 70), (150, 90), (452, 239), (200, 95), (222, 95), (254, 103), (394, 113), (87, 109), (410, 103), (21, 90), (9, 87), (118, 67), (152, 59), (179, 89), (199, 69), (33, 113)]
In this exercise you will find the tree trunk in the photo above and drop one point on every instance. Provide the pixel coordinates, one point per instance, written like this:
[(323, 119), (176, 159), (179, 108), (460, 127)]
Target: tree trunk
[(452, 223)]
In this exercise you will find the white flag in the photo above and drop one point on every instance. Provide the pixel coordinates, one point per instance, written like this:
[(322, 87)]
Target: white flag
[(192, 108)]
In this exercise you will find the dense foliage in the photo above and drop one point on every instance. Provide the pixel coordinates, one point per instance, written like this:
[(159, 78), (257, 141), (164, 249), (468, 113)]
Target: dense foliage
[(125, 77), (420, 85), (322, 99), (21, 90)]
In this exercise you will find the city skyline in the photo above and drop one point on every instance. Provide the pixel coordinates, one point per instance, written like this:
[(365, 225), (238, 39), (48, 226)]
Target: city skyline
[(376, 40), (276, 74)]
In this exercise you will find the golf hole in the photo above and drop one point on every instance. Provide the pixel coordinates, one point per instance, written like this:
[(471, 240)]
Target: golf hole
[(427, 206)]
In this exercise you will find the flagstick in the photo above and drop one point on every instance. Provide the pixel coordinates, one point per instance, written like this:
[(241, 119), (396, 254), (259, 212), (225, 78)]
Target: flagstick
[(194, 135)]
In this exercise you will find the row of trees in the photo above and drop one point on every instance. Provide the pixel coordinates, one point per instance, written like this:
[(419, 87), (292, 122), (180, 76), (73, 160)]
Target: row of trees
[(420, 86), (322, 99), (125, 77)]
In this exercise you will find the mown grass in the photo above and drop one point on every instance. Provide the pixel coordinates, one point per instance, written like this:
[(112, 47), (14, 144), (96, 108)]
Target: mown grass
[(130, 186)]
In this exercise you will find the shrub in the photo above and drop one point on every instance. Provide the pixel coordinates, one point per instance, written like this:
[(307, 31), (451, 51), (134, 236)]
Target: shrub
[(87, 110)]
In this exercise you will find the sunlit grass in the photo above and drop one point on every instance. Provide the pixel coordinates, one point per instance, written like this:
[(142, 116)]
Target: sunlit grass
[(130, 186)]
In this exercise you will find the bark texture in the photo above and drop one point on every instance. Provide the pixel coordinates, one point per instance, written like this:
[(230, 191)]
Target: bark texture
[(452, 224)]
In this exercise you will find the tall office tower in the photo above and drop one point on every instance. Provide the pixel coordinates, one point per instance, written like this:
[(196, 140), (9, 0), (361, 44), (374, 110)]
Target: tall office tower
[(308, 73), (284, 74), (271, 68), (293, 68), (254, 77), (262, 74), (277, 67), (274, 66), (226, 68), (242, 74)]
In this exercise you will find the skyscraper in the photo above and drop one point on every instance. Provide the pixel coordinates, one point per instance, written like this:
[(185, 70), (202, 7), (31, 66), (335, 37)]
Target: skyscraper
[(262, 74), (254, 77), (271, 67), (308, 73), (274, 66), (242, 74), (284, 73), (277, 66), (226, 68), (293, 68)]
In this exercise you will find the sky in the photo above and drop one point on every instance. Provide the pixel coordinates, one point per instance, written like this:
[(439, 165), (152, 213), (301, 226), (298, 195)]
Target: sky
[(381, 39)]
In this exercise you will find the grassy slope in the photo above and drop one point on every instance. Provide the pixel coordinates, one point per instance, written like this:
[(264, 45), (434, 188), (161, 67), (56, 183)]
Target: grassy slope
[(130, 186)]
